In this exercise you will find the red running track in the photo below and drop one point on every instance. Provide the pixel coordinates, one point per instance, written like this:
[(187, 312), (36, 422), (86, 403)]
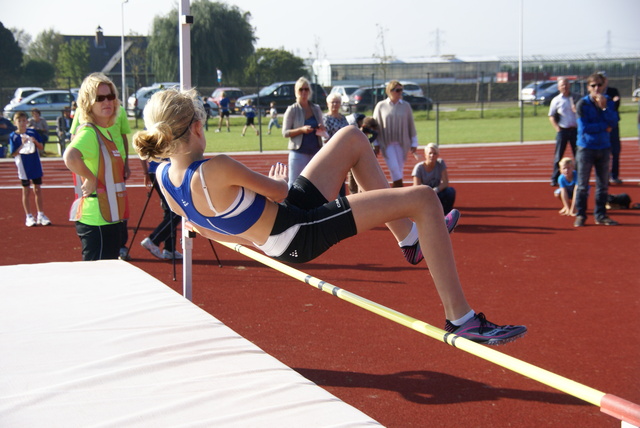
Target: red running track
[(497, 163), (577, 290)]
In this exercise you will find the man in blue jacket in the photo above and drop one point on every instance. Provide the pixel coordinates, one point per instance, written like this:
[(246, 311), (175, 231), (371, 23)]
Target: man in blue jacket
[(596, 118)]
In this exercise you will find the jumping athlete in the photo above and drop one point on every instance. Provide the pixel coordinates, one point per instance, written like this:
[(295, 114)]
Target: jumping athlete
[(227, 201)]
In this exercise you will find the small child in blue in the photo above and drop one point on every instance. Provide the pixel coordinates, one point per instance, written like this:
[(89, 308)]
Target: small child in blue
[(273, 114), (249, 112), (24, 145), (567, 184)]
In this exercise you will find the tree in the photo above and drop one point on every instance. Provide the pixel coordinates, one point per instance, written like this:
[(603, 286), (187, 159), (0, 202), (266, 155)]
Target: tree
[(221, 38), (73, 63), (37, 72), (46, 46), (22, 37), (163, 47), (275, 65), (11, 57), (136, 60)]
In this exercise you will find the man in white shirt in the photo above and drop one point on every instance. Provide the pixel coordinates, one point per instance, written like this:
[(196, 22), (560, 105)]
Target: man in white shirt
[(562, 115)]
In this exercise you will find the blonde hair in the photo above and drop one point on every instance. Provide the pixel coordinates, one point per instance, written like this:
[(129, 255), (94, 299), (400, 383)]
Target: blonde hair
[(87, 98), (302, 81), (332, 97), (565, 161), (433, 146), (168, 116), (391, 86)]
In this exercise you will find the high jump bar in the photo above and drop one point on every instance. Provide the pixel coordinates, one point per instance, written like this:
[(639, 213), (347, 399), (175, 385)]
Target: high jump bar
[(610, 404)]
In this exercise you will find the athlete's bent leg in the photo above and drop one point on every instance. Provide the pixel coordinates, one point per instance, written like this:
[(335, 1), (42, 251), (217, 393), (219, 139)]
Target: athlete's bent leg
[(420, 203), (349, 149)]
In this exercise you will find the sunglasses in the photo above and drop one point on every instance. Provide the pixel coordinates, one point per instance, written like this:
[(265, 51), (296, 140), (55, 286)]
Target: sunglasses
[(101, 98), (303, 89), (398, 90), (596, 85)]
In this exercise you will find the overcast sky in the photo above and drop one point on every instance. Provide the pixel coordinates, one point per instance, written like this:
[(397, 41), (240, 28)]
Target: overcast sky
[(338, 29)]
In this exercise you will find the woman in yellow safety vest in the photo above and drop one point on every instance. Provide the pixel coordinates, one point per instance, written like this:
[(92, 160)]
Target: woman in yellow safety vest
[(97, 163)]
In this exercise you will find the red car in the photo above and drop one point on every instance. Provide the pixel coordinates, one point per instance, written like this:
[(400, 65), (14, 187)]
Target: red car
[(232, 93)]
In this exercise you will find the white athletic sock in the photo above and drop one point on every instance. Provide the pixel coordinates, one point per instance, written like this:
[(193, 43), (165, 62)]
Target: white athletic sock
[(464, 319), (411, 238)]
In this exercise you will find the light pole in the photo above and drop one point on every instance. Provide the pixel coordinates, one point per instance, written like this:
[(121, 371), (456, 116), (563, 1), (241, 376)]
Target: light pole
[(124, 80), (258, 62)]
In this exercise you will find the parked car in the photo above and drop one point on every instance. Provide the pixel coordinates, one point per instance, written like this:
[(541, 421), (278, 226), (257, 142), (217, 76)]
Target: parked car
[(411, 88), (232, 93), (367, 97), (283, 94), (137, 101), (532, 91), (50, 104), (344, 91), (24, 92)]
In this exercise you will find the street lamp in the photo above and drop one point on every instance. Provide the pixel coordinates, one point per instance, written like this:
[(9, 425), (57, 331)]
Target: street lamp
[(124, 80)]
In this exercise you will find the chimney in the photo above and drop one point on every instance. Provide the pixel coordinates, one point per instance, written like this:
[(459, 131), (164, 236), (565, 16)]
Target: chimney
[(99, 37)]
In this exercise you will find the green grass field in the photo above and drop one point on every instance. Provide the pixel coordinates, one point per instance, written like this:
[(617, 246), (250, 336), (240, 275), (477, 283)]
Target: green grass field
[(458, 124)]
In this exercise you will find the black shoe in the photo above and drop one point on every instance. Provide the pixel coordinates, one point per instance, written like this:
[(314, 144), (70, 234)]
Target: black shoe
[(606, 221), (579, 221)]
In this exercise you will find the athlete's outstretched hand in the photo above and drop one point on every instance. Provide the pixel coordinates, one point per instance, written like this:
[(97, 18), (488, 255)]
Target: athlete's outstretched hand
[(279, 172)]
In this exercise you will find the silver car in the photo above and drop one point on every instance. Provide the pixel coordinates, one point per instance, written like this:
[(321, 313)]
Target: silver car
[(50, 104), (137, 101)]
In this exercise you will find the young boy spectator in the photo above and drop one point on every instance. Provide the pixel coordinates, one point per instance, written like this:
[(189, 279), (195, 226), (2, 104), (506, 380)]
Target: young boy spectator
[(567, 182), (249, 112), (24, 145), (273, 115)]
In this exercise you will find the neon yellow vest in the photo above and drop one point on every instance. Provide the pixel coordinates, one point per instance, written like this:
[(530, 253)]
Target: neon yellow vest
[(111, 191)]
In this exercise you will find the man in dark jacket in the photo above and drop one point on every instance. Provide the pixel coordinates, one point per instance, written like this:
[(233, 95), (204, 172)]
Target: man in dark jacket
[(614, 95)]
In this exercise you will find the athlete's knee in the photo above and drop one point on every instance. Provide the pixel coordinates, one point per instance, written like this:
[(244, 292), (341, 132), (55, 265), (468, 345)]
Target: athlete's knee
[(351, 136)]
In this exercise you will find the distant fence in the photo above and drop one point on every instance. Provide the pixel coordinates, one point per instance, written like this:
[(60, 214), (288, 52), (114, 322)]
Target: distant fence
[(441, 92)]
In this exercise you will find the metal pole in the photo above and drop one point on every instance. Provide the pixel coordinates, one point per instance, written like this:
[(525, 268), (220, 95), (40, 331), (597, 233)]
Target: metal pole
[(185, 20), (438, 123), (428, 91), (258, 61), (124, 79), (520, 72), (482, 95)]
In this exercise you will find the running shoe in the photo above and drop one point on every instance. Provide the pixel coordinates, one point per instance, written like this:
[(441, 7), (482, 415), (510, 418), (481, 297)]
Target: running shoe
[(168, 255), (153, 248), (30, 221), (43, 220), (479, 329), (413, 253), (451, 219)]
